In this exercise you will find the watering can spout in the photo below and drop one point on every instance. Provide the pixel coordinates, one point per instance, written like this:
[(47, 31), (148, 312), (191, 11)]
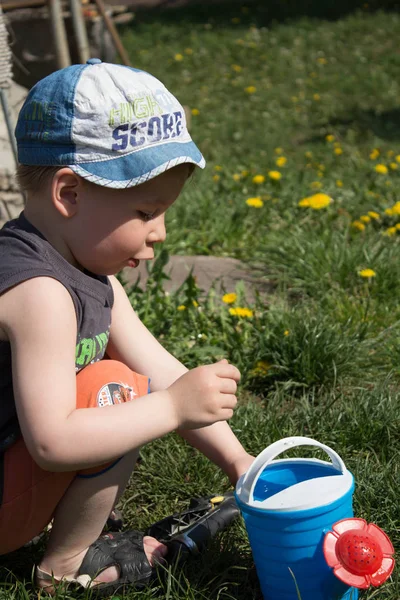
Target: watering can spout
[(360, 554)]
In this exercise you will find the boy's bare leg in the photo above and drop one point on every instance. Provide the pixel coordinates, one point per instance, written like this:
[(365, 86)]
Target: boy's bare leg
[(80, 517)]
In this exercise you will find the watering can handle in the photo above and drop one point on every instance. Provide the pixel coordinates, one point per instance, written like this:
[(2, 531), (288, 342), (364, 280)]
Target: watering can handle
[(248, 483)]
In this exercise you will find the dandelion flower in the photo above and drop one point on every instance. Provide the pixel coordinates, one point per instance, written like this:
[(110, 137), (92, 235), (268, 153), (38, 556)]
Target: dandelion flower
[(275, 175), (261, 368), (358, 225), (178, 57), (367, 273), (374, 215), (181, 307), (321, 60), (374, 154), (339, 183), (308, 154), (281, 161), (394, 166), (241, 312), (381, 169), (258, 179), (236, 177), (316, 202), (390, 153), (294, 99), (229, 298), (188, 51), (195, 303), (217, 168), (338, 151), (255, 202), (316, 97), (398, 158), (390, 231), (286, 332), (330, 137), (244, 173), (251, 89), (389, 212), (195, 112), (278, 150), (236, 68), (216, 178), (315, 185), (365, 218)]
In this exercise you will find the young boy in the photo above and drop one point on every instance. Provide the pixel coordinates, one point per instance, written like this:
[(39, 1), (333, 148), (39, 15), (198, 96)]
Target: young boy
[(103, 151)]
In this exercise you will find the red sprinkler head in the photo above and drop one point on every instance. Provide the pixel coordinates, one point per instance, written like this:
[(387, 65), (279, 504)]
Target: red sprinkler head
[(359, 553)]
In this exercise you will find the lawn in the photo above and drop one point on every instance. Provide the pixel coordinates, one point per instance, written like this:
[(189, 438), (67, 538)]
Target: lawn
[(298, 115)]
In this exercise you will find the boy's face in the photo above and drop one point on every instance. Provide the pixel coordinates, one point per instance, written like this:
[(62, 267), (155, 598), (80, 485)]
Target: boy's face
[(113, 229)]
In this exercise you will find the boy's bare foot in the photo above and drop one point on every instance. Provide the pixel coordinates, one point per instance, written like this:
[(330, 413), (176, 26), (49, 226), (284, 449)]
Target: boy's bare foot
[(155, 552)]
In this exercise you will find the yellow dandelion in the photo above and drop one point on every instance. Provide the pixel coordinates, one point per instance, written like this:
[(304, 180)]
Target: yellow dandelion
[(195, 112), (367, 273), (396, 208), (315, 185), (181, 307), (394, 166), (398, 158), (236, 177), (316, 97), (178, 57), (374, 215), (339, 183), (258, 179), (260, 369), (241, 312), (188, 51), (286, 332), (229, 298), (330, 138), (358, 225), (195, 303), (397, 226), (250, 89), (278, 150), (338, 151), (294, 99), (321, 60), (365, 218), (389, 212), (374, 154), (381, 169), (274, 175), (216, 177), (320, 173), (255, 202), (218, 168), (316, 202), (244, 173), (390, 231), (236, 68), (308, 154), (281, 161), (390, 153)]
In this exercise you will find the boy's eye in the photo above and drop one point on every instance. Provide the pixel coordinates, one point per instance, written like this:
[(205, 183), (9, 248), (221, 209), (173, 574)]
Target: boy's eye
[(145, 216)]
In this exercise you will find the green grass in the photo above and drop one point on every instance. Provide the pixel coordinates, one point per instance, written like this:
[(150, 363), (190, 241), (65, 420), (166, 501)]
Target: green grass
[(320, 354)]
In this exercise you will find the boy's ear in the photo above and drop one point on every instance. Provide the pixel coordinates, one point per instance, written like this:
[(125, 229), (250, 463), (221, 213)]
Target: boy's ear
[(65, 189)]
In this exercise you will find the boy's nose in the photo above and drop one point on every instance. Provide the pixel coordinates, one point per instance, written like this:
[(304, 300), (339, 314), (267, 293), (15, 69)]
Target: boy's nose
[(158, 233)]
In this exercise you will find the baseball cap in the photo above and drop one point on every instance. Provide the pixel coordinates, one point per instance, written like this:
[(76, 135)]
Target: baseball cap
[(113, 125)]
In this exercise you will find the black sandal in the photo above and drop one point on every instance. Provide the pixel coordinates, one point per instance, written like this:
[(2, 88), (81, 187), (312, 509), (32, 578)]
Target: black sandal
[(184, 534)]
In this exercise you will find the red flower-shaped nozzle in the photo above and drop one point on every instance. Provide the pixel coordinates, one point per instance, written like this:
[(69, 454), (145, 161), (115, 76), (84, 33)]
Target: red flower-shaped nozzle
[(360, 554)]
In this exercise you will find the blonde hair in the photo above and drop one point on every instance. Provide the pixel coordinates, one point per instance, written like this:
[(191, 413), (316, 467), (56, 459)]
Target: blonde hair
[(33, 178)]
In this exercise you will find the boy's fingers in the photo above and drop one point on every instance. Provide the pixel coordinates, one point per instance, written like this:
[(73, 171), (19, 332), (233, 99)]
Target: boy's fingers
[(228, 370), (228, 386)]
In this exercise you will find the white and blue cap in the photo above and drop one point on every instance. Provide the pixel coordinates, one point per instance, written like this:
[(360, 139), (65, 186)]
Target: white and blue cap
[(113, 125)]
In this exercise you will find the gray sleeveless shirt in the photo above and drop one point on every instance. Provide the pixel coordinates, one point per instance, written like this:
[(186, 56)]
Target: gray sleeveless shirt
[(25, 253)]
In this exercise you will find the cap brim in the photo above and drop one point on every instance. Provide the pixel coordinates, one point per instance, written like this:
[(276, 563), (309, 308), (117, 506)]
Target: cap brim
[(137, 167)]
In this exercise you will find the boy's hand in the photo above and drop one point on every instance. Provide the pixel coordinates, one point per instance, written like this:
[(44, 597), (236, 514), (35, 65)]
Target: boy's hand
[(205, 395)]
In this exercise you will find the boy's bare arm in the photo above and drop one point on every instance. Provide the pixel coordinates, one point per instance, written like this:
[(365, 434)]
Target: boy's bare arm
[(39, 319), (133, 344)]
